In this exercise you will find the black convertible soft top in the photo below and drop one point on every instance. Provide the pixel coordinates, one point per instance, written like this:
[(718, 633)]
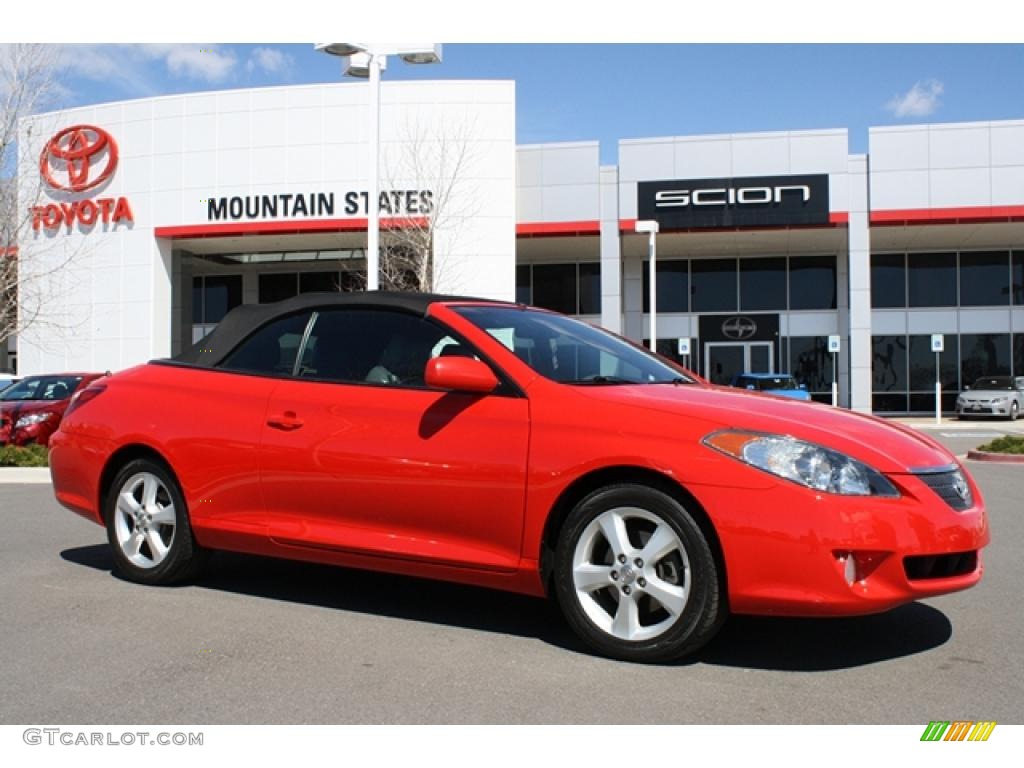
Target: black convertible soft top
[(243, 320)]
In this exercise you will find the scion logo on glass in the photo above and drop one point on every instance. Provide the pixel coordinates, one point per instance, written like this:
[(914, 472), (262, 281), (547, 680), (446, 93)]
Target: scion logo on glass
[(739, 328), (78, 158)]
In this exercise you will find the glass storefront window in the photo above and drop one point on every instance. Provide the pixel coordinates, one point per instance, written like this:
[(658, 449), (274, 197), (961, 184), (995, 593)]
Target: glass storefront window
[(277, 287), (1017, 281), (888, 280), (673, 286), (573, 289), (810, 362), (984, 279), (713, 285), (812, 282), (310, 282), (1018, 354), (762, 284), (922, 364), (524, 295), (554, 287), (931, 279), (889, 365), (590, 288), (213, 296), (984, 354)]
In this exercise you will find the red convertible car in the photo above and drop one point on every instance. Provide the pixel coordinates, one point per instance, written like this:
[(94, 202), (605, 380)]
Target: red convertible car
[(500, 445), (31, 409)]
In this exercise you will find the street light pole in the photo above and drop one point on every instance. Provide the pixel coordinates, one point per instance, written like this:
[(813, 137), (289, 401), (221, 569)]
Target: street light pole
[(373, 187), (650, 226), (368, 60)]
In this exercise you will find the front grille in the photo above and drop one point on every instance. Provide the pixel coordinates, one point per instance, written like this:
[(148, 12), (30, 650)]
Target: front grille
[(922, 567), (946, 485)]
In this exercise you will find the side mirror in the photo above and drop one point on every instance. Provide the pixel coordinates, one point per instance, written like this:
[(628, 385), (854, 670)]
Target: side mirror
[(461, 374)]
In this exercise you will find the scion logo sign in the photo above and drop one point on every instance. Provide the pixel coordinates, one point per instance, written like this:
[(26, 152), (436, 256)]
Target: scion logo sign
[(76, 160), (745, 202), (739, 328)]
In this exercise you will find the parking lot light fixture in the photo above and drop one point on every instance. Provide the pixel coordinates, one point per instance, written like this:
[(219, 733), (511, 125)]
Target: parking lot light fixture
[(369, 60)]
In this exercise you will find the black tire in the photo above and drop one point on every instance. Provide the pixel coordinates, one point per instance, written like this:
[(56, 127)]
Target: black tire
[(1014, 411), (704, 608), (183, 558)]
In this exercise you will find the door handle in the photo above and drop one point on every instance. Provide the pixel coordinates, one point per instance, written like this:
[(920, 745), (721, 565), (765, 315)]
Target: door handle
[(286, 421)]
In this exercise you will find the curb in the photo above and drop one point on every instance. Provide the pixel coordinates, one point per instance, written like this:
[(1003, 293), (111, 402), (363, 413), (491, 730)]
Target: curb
[(12, 475), (999, 458)]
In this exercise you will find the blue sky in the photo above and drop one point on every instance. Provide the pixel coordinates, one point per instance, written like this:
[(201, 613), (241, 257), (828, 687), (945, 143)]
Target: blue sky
[(571, 92)]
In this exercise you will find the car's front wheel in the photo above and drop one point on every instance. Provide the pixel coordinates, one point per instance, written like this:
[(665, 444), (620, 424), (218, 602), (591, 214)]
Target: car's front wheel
[(148, 525), (1014, 411), (635, 575)]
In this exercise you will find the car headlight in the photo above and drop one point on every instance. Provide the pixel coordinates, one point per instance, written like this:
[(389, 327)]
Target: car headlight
[(32, 418), (807, 464)]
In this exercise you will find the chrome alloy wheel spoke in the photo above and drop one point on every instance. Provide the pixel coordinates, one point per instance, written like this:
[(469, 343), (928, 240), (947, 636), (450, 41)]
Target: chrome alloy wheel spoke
[(144, 527), (632, 591)]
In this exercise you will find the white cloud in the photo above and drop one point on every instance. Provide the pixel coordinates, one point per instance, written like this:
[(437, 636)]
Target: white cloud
[(198, 62), (920, 101), (269, 60)]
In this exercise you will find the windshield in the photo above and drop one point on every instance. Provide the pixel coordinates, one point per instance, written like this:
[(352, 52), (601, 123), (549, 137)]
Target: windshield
[(777, 382), (994, 382), (569, 351), (50, 388)]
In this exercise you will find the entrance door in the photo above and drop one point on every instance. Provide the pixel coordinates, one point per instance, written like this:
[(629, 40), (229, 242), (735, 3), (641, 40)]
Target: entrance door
[(723, 360)]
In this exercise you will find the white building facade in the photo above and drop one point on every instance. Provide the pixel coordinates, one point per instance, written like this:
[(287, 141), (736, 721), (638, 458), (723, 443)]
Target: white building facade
[(770, 244)]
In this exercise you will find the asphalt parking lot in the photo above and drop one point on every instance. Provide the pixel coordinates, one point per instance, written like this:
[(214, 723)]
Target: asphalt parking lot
[(264, 641)]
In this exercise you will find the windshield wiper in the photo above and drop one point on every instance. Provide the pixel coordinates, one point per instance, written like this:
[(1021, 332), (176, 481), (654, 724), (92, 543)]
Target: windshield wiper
[(678, 380), (600, 381)]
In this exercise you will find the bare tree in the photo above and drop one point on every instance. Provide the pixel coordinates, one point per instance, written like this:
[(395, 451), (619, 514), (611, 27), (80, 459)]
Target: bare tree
[(27, 85), (418, 246)]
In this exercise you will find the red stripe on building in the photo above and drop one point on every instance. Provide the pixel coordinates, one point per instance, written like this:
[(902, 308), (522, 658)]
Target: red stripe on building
[(300, 227), (982, 214), (558, 228)]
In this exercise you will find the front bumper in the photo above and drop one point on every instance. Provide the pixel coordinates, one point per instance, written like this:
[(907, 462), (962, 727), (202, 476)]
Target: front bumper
[(1001, 410), (791, 551)]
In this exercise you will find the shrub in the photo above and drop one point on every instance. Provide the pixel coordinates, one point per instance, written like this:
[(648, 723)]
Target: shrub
[(1004, 444), (29, 456)]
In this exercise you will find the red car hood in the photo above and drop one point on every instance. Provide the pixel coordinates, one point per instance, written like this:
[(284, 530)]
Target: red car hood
[(884, 445)]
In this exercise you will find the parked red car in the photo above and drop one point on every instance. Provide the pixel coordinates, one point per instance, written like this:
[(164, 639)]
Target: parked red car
[(499, 445), (31, 410)]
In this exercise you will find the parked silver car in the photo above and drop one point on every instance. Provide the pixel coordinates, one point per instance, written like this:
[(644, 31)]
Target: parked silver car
[(993, 396)]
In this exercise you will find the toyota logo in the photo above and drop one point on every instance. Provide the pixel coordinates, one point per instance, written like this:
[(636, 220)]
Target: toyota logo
[(739, 328), (77, 152)]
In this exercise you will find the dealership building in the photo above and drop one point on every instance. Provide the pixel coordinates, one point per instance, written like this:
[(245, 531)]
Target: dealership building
[(783, 252)]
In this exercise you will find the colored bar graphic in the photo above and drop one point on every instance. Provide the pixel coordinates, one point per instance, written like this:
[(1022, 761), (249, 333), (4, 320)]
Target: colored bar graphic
[(958, 730)]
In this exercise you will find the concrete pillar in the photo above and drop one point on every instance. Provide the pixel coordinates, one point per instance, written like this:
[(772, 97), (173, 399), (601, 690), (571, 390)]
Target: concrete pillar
[(859, 250), (611, 253)]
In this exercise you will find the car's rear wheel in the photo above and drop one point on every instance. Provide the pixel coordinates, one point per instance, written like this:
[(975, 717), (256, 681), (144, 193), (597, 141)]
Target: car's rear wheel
[(148, 526), (635, 575)]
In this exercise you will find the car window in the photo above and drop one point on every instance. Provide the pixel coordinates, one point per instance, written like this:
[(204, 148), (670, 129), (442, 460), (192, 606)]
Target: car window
[(368, 346), (994, 382), (570, 351), (272, 349), (50, 388)]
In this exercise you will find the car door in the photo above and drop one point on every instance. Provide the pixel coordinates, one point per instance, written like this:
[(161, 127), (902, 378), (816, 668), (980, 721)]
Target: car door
[(358, 454)]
